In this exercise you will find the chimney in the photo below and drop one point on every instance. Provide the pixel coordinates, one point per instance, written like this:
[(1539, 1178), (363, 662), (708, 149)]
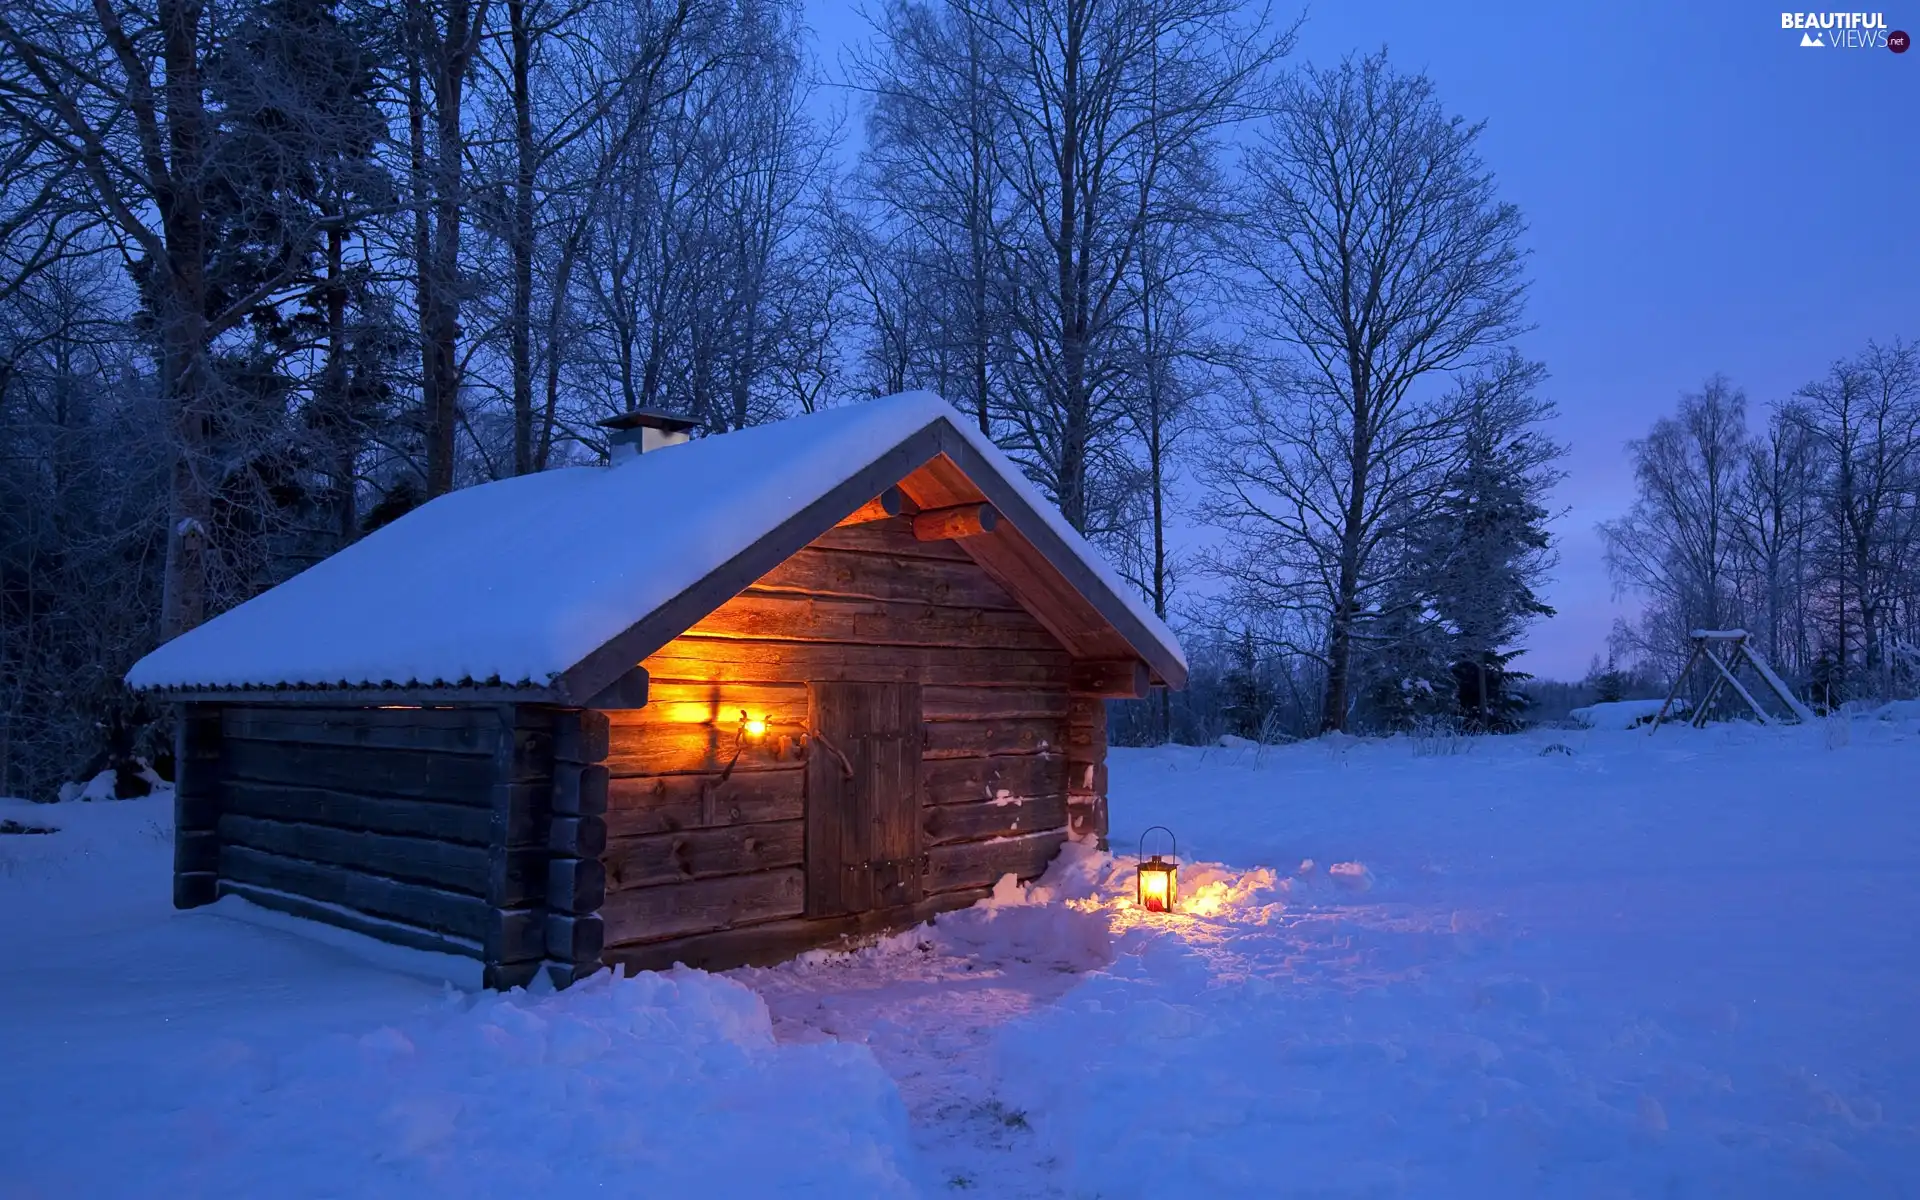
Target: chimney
[(642, 431)]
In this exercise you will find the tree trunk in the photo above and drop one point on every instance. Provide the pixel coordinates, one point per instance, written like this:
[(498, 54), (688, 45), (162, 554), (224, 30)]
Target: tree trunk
[(182, 299), (338, 404), (522, 247)]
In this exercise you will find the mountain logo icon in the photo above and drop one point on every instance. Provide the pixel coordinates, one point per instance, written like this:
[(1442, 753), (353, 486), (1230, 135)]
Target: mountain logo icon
[(1811, 39)]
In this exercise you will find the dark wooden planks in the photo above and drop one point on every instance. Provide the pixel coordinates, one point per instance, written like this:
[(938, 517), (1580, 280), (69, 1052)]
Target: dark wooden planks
[(960, 780), (505, 936), (455, 778), (758, 615), (981, 864), (980, 819), (650, 747), (346, 918), (863, 797), (773, 941), (462, 823), (675, 910), (669, 803), (974, 739), (441, 730), (704, 853), (410, 859), (853, 575), (993, 703), (730, 660), (891, 536)]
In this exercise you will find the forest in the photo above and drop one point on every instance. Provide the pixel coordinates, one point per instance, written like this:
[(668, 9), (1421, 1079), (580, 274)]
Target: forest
[(272, 274)]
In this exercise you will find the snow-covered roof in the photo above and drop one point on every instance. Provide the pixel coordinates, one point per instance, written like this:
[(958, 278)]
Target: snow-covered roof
[(515, 583)]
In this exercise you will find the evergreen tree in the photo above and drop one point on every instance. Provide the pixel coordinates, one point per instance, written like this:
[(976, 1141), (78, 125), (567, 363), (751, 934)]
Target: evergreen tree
[(1486, 549)]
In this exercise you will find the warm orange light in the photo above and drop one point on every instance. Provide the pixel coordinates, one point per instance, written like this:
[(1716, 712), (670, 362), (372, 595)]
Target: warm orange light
[(1159, 886), (754, 727)]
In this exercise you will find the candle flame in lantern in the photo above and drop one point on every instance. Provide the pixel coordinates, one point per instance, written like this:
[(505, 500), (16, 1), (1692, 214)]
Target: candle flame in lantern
[(1156, 887), (754, 726)]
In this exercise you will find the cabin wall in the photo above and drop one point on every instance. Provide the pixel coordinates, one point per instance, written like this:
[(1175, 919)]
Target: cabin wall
[(428, 827), (705, 863)]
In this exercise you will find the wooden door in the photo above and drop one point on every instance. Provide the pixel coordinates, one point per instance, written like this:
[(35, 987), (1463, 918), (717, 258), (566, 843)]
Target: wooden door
[(863, 797)]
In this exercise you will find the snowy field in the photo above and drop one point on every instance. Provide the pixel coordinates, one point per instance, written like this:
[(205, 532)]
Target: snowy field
[(1670, 966)]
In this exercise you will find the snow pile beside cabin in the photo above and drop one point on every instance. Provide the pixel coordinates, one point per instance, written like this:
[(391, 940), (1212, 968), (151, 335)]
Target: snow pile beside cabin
[(518, 580), (151, 1052)]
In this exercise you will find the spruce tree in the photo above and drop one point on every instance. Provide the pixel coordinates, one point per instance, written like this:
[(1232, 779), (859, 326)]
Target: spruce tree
[(1486, 549)]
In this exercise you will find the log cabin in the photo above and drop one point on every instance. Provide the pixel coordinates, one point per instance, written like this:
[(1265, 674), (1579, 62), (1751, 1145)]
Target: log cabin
[(717, 702)]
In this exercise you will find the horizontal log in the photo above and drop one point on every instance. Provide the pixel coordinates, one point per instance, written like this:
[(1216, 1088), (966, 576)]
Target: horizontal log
[(445, 730), (776, 941), (731, 660), (704, 853), (848, 574), (454, 778), (1120, 678), (990, 703), (510, 935), (974, 739), (961, 780), (434, 819), (889, 503), (572, 939), (703, 906), (446, 865), (578, 837), (387, 931), (981, 864), (719, 703), (666, 804), (763, 615), (891, 536), (576, 885), (956, 521), (650, 747), (993, 818)]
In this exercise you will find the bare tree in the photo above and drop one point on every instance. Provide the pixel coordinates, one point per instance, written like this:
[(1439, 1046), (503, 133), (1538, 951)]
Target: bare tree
[(1381, 256), (1676, 544), (1108, 107), (1865, 416)]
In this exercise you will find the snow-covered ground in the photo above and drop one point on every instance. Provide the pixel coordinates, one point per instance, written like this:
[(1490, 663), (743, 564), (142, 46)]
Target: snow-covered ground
[(1678, 965)]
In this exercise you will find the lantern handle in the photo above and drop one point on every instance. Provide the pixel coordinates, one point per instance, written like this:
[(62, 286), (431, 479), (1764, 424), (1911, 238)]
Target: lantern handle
[(1141, 850)]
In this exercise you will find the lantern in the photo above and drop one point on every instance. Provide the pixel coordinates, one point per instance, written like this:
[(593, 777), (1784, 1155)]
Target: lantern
[(753, 727), (1158, 879)]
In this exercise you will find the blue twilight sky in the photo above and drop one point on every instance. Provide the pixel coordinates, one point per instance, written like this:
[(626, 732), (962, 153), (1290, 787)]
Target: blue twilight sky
[(1703, 194)]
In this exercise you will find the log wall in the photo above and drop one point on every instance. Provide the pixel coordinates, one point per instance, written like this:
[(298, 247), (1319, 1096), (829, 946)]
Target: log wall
[(460, 830), (706, 832)]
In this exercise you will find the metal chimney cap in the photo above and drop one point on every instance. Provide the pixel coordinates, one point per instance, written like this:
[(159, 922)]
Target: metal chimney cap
[(648, 418)]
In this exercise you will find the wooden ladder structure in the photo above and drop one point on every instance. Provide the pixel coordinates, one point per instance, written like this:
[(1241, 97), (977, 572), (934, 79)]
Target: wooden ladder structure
[(1725, 662)]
